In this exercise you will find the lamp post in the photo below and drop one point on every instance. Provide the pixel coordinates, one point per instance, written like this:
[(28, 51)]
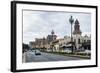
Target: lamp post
[(71, 20)]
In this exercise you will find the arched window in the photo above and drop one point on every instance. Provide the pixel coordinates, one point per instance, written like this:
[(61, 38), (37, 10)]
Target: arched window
[(78, 41)]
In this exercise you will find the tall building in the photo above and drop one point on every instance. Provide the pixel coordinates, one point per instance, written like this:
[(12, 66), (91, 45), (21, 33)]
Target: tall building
[(77, 34), (51, 37), (44, 42), (77, 28), (79, 40)]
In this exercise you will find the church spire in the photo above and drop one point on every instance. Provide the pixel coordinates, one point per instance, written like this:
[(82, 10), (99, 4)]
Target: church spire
[(52, 32), (77, 28)]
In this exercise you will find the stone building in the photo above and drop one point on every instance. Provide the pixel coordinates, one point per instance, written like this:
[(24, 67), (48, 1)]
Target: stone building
[(51, 37), (77, 38), (44, 42), (80, 42), (63, 44)]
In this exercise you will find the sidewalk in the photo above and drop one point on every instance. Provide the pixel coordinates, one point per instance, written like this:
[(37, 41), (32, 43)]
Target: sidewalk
[(24, 57), (79, 56), (73, 55)]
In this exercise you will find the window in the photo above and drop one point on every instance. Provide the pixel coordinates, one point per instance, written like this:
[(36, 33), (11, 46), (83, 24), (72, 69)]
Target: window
[(78, 41), (75, 40), (84, 41), (88, 41)]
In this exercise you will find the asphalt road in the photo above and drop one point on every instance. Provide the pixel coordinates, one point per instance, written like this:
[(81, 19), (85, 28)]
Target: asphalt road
[(46, 57)]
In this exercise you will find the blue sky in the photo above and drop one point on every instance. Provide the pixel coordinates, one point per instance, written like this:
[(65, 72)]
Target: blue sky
[(38, 24)]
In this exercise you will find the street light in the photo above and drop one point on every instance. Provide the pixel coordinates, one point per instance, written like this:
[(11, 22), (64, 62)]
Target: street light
[(71, 20)]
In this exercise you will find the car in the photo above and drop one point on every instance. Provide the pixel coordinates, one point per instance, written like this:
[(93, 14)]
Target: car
[(37, 52)]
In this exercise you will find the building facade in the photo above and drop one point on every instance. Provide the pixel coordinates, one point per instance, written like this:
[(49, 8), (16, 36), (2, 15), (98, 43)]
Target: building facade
[(79, 42), (44, 42), (77, 38), (63, 44)]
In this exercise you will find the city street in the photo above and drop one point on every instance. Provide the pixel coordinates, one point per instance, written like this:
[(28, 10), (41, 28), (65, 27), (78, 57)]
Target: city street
[(45, 57)]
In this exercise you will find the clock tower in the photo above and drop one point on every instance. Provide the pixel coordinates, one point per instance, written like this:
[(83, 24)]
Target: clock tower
[(77, 35)]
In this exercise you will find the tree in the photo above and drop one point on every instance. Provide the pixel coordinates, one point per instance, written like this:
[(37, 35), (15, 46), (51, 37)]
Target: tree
[(25, 47)]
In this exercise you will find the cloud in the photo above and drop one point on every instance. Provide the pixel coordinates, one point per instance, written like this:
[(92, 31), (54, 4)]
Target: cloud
[(38, 24)]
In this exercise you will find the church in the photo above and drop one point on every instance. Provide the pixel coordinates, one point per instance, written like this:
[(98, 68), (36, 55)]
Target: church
[(79, 40)]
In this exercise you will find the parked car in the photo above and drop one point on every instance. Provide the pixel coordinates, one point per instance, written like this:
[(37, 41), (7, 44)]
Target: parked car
[(67, 50), (37, 52)]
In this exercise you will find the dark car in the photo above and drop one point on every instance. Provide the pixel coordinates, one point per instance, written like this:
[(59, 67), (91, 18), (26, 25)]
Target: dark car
[(37, 52)]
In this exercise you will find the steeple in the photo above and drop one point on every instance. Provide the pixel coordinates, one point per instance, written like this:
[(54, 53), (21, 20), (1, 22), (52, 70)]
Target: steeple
[(77, 28), (52, 32)]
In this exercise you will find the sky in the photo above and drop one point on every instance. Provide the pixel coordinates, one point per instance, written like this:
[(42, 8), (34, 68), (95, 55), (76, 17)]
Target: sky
[(38, 24)]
